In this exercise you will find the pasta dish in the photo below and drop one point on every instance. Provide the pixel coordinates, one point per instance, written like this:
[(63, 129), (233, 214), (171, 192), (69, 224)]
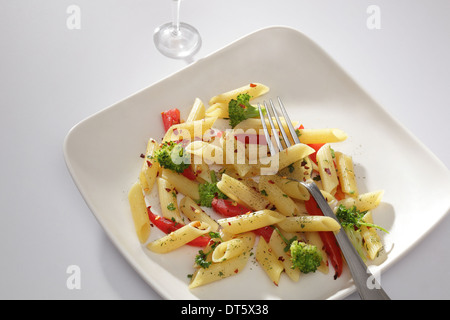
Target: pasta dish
[(222, 193)]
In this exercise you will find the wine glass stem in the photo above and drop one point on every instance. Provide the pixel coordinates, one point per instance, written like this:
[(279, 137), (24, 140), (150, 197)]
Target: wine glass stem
[(176, 16)]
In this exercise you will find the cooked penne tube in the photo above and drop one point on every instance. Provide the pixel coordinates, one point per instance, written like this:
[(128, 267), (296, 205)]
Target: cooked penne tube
[(312, 136), (227, 250), (250, 221), (194, 213), (253, 89), (227, 268), (300, 171), (365, 201), (328, 197), (139, 212), (189, 130), (150, 167), (168, 200), (255, 124), (277, 197), (242, 193), (372, 241), (243, 169), (179, 237), (309, 224), (202, 171), (277, 244), (268, 261), (346, 174), (218, 109), (290, 187), (182, 184), (197, 111), (206, 152), (284, 158), (327, 171)]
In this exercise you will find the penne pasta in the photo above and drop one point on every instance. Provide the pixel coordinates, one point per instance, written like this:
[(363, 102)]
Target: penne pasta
[(309, 224), (277, 244), (168, 200), (250, 221), (365, 201), (201, 170), (276, 196), (300, 171), (256, 127), (227, 250), (218, 109), (205, 152), (227, 268), (242, 193), (284, 158), (269, 261), (313, 136), (197, 111), (346, 174), (182, 184), (150, 167), (189, 130), (253, 89), (139, 212), (178, 238), (327, 171), (195, 213), (292, 188), (372, 241)]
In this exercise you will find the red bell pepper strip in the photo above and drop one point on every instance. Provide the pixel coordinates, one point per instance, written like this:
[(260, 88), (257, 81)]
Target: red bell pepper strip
[(265, 232), (229, 208), (339, 195), (315, 146), (329, 240), (167, 226), (170, 117), (189, 173)]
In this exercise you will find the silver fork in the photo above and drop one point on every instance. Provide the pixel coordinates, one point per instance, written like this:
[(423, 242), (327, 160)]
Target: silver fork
[(358, 269)]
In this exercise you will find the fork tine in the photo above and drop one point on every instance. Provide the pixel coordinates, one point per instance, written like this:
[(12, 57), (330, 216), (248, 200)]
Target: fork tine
[(266, 131), (280, 126), (288, 121), (273, 133), (273, 128)]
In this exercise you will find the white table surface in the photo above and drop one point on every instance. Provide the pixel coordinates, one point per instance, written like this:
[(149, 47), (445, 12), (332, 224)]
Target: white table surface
[(52, 77)]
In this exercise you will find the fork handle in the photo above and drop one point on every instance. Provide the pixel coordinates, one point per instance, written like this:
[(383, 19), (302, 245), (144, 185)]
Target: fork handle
[(361, 274)]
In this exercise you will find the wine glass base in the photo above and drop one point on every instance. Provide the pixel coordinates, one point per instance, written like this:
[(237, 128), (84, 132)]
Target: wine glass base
[(177, 44)]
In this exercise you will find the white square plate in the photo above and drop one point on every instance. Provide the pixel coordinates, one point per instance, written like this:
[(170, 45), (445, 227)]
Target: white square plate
[(102, 154)]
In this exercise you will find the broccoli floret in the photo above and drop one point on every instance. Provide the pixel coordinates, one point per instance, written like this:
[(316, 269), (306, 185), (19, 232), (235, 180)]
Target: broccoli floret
[(351, 221), (353, 218), (305, 257), (208, 191), (171, 155), (240, 109)]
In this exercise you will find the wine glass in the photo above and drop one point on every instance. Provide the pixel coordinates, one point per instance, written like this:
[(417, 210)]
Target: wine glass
[(177, 39)]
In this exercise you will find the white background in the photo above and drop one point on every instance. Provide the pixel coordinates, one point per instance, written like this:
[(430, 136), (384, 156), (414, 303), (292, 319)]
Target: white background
[(52, 77)]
